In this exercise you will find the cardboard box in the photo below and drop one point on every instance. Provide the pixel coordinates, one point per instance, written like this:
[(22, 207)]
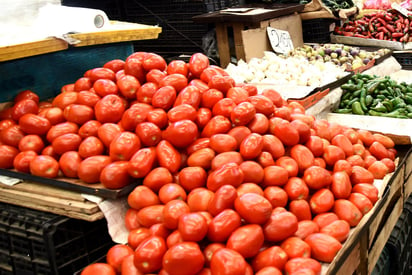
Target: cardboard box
[(255, 41)]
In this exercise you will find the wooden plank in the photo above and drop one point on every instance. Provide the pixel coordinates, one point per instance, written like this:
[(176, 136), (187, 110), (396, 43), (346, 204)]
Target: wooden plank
[(223, 44), (38, 188), (64, 204), (237, 38), (117, 32)]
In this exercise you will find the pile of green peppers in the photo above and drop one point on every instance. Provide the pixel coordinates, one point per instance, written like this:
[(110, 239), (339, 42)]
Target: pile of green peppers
[(376, 96)]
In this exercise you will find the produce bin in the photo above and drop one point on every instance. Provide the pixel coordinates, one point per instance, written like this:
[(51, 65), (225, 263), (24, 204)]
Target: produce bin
[(404, 58), (35, 242), (318, 30)]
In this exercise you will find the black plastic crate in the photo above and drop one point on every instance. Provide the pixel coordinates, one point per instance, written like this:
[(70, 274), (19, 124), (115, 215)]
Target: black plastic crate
[(383, 265), (400, 242), (318, 30), (35, 242), (404, 58)]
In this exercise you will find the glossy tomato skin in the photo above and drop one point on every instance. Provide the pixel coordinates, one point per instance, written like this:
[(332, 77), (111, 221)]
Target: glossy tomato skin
[(137, 113), (254, 208), (227, 173), (21, 161), (115, 175), (217, 124), (158, 177), (53, 114), (177, 67), (107, 132), (324, 247), (98, 268), (164, 97), (280, 225), (63, 100), (146, 91), (31, 142), (116, 254), (148, 255), (192, 177), (109, 109), (271, 256), (61, 129), (223, 224), (26, 94), (66, 142), (299, 263), (172, 212), (181, 133), (247, 240), (184, 258), (192, 227), (91, 146), (168, 156), (90, 168), (227, 261), (295, 247), (7, 155), (88, 98), (190, 95), (78, 113), (141, 162), (123, 146), (44, 166), (224, 198), (128, 267), (69, 163), (34, 124), (22, 107), (181, 112), (197, 63)]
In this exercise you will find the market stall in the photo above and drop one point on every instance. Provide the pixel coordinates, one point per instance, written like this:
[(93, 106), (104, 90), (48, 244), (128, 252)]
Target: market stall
[(271, 163)]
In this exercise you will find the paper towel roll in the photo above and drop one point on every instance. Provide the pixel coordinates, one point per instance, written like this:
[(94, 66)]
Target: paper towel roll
[(55, 20)]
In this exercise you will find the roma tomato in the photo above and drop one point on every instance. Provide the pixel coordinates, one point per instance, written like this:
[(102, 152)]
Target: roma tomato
[(66, 142), (338, 229), (63, 100), (251, 146), (199, 198), (193, 227), (158, 177), (101, 73), (222, 225), (262, 104), (288, 134), (171, 191), (296, 264), (150, 215), (361, 175), (128, 267), (346, 210), (276, 195), (253, 208), (32, 143), (315, 144), (116, 254), (181, 133), (227, 173), (192, 177), (369, 190), (362, 202), (69, 163), (272, 256), (259, 124), (141, 162), (202, 158), (280, 226), (115, 65), (247, 240), (181, 112), (131, 220), (164, 97), (224, 198), (21, 161), (107, 132), (317, 177), (343, 142), (26, 94), (305, 228), (177, 67), (217, 124), (332, 154), (44, 166), (7, 155), (184, 258), (123, 146), (275, 176), (321, 201), (242, 114), (78, 113), (128, 86), (252, 171), (149, 254), (134, 67), (225, 158), (141, 197), (177, 81), (172, 212), (341, 186), (134, 115), (104, 87), (324, 219), (301, 209), (274, 146), (199, 143), (324, 247), (61, 129), (115, 175), (98, 268), (168, 156), (53, 114), (295, 248), (227, 261), (87, 98), (197, 63), (145, 93), (223, 143), (34, 124), (109, 109), (22, 107), (296, 189), (90, 168), (210, 97), (153, 61), (91, 146)]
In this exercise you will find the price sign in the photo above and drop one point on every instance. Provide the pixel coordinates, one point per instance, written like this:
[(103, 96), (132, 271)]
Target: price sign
[(280, 40)]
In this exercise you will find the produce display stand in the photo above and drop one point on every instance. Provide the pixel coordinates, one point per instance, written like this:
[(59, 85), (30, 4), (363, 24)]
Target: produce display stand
[(253, 17)]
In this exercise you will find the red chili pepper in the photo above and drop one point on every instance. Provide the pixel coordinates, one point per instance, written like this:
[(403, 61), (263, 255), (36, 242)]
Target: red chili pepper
[(360, 35), (388, 17), (398, 26), (380, 35), (360, 21), (382, 29), (371, 25), (404, 38), (390, 27), (397, 34), (380, 20), (348, 33), (406, 21)]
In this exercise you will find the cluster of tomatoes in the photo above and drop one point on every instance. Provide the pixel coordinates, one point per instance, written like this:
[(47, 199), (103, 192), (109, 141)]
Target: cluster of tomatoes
[(233, 181)]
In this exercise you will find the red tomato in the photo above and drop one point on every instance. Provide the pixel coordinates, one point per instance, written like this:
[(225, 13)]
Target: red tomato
[(208, 72), (343, 165), (182, 112), (115, 175), (137, 113), (44, 166), (209, 250), (296, 264), (193, 227), (269, 270), (141, 162), (22, 107), (296, 189), (251, 146), (274, 96), (184, 258), (172, 212), (150, 215), (247, 240), (181, 133), (34, 124), (128, 86), (275, 176), (290, 164), (324, 219), (104, 87), (31, 142), (259, 124), (177, 81), (107, 132), (90, 168), (171, 191), (224, 198), (222, 143), (26, 94), (317, 177), (288, 134), (226, 157), (164, 97), (101, 73), (221, 82), (158, 177), (253, 172), (109, 109), (341, 186), (222, 225), (154, 61), (301, 209), (137, 236), (98, 268), (321, 201), (361, 175), (204, 115), (272, 256), (303, 156), (378, 150), (66, 142), (224, 107), (53, 114), (295, 248), (7, 155), (303, 129), (12, 135), (199, 198), (197, 63), (78, 114), (146, 91), (128, 267), (123, 146), (116, 254), (189, 95), (192, 177), (262, 104), (168, 156), (276, 195), (202, 158), (343, 142), (315, 144), (115, 65), (63, 100), (332, 154), (369, 190), (21, 161), (280, 226), (177, 67), (362, 202), (347, 211), (131, 220), (324, 247), (69, 163), (142, 196), (149, 254), (61, 129), (305, 228), (338, 229), (210, 97), (87, 98), (91, 146), (227, 173), (253, 208), (134, 67)]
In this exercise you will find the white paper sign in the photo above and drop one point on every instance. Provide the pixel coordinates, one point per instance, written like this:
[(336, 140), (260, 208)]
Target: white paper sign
[(402, 10), (280, 40)]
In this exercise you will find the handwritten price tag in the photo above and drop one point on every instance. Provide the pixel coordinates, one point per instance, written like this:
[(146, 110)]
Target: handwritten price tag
[(280, 40)]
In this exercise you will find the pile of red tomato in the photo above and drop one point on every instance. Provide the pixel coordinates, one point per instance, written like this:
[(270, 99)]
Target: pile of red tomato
[(233, 181)]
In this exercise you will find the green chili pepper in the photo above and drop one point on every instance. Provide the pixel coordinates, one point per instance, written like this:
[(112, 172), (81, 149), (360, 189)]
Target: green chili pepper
[(357, 108)]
